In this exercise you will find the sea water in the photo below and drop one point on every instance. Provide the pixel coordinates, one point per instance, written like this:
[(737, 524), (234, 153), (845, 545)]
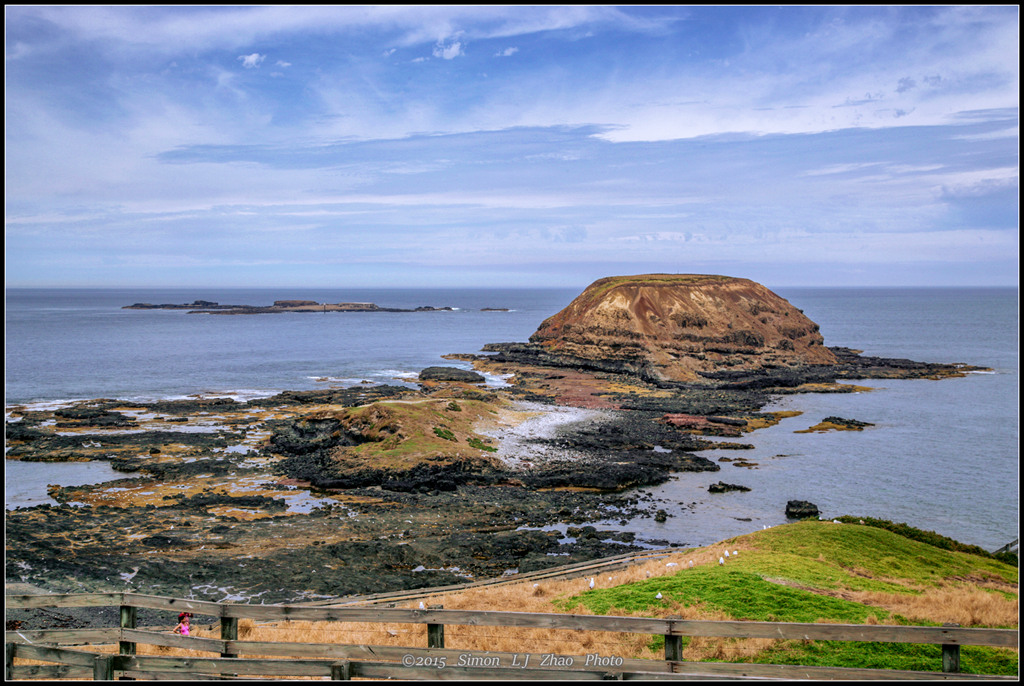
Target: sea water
[(81, 344), (942, 455)]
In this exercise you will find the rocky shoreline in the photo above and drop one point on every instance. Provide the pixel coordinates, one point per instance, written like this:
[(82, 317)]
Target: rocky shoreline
[(193, 519), (217, 504), (313, 494)]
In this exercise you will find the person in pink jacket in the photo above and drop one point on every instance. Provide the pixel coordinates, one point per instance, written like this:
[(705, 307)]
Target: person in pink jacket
[(183, 624)]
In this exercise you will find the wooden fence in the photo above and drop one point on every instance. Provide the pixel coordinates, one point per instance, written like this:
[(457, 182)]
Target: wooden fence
[(434, 661)]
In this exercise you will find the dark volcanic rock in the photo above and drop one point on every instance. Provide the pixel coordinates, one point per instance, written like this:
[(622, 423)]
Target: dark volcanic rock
[(450, 374), (623, 450), (88, 416), (309, 435), (56, 448), (204, 500), (348, 397), (846, 423), (722, 487), (853, 365), (424, 478), (801, 509), (624, 469)]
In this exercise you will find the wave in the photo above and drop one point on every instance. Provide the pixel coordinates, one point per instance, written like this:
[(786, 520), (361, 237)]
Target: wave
[(238, 395), (44, 405)]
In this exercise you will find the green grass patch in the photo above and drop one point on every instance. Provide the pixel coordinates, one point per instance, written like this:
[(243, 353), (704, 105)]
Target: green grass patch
[(795, 569), (876, 552), (741, 595), (931, 538), (901, 656), (480, 445), (444, 433)]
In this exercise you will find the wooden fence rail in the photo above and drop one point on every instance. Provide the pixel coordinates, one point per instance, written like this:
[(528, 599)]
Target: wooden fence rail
[(338, 661), (471, 666)]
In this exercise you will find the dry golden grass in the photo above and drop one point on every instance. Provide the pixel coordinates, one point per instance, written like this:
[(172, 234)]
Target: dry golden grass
[(527, 596), (966, 606)]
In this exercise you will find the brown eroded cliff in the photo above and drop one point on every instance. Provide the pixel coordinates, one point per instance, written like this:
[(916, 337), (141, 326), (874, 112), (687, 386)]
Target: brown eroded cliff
[(675, 326)]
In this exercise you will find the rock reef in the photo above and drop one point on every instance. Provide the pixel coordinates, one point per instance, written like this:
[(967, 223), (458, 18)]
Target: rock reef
[(279, 306)]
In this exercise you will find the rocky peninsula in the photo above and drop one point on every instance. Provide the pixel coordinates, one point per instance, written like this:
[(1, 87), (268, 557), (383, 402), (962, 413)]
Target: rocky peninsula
[(315, 494)]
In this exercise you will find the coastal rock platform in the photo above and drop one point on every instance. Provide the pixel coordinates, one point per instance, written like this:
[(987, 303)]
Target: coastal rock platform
[(311, 494)]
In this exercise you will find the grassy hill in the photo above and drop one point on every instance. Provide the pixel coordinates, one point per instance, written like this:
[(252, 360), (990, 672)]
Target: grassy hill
[(811, 571), (834, 573)]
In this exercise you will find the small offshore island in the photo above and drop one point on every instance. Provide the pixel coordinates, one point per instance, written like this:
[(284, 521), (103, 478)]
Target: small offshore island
[(207, 307), (327, 493)]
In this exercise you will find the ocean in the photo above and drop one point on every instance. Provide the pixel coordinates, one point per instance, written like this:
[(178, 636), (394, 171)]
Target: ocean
[(941, 456)]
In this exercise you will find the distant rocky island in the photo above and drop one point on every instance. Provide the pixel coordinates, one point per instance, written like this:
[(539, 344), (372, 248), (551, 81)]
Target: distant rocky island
[(208, 307)]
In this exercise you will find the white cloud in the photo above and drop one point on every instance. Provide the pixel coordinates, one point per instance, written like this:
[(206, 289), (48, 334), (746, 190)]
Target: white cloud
[(507, 52), (448, 52), (840, 169), (252, 61), (1012, 132), (174, 29)]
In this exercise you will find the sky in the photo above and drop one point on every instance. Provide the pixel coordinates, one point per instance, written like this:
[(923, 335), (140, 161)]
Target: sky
[(510, 146)]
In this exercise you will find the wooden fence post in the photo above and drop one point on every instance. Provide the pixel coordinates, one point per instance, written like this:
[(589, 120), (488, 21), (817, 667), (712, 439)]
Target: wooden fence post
[(103, 668), (228, 632), (341, 671), (673, 644), (8, 661), (435, 632), (951, 654), (128, 614)]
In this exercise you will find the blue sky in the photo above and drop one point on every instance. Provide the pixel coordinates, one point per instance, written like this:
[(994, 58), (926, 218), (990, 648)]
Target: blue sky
[(510, 146)]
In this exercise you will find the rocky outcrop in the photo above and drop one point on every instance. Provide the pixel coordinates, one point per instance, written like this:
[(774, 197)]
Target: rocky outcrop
[(722, 487), (801, 509), (836, 424), (680, 328), (450, 374)]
